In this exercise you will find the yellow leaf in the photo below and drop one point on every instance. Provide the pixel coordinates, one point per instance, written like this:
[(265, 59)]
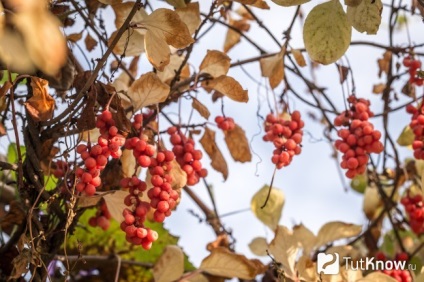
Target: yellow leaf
[(190, 15), (170, 265), (211, 148), (258, 246), (298, 56), (41, 105), (372, 204), (289, 3), (284, 248), (170, 69), (147, 90), (326, 32), (157, 51), (131, 45), (238, 145), (305, 237), (307, 269), (269, 215), (115, 204), (273, 68), (229, 87), (200, 108), (43, 39), (14, 53), (366, 17), (336, 230), (215, 63), (221, 262), (407, 137)]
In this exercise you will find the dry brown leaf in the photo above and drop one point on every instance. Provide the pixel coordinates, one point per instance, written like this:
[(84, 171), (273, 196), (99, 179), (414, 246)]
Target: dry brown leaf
[(74, 37), (41, 105), (384, 63), (90, 42), (190, 15), (14, 53), (229, 87), (222, 262), (200, 108), (244, 13), (378, 88), (20, 264), (238, 145), (217, 159), (273, 68), (168, 73), (306, 269), (179, 177), (343, 72), (233, 37), (215, 63), (15, 215), (115, 204), (170, 265), (258, 246), (128, 164), (147, 90), (50, 53), (336, 230), (176, 3), (298, 56), (122, 10), (89, 201), (87, 119), (109, 2), (284, 248), (157, 50), (305, 237), (130, 45)]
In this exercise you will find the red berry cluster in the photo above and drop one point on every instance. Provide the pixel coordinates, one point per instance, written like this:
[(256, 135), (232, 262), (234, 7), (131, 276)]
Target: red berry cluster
[(417, 126), (359, 139), (142, 151), (225, 123), (414, 66), (162, 197), (102, 217), (401, 275), (187, 157), (414, 207), (135, 215), (61, 169), (286, 135), (109, 140)]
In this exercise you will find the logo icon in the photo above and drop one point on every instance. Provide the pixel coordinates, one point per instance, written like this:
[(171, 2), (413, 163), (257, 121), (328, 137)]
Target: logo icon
[(328, 264)]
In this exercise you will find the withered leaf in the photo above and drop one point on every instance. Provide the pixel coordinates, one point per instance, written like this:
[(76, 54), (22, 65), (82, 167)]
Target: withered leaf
[(229, 87), (41, 105), (169, 71), (14, 216), (233, 37), (170, 265), (74, 37), (261, 4), (217, 159), (90, 42), (273, 68), (148, 90), (378, 88), (238, 145), (179, 177), (215, 63), (343, 72), (298, 57), (129, 44), (115, 204), (284, 248), (200, 108), (157, 50), (87, 120), (122, 10), (190, 15), (336, 230), (128, 164), (384, 63)]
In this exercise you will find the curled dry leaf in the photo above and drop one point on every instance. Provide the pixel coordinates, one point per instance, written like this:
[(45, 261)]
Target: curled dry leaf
[(238, 145), (179, 177), (222, 262), (164, 27), (284, 248), (190, 15), (258, 246), (215, 63), (122, 10), (41, 105), (233, 37), (378, 88), (211, 148), (229, 87), (147, 90), (298, 57), (269, 215), (384, 63), (115, 204), (336, 230), (327, 32), (200, 108), (273, 68), (74, 37), (305, 238), (90, 42), (366, 17), (170, 265)]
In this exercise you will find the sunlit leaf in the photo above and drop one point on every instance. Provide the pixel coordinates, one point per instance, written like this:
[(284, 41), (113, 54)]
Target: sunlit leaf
[(238, 145), (258, 246), (200, 108), (190, 15), (170, 265), (359, 183), (406, 137), (366, 17), (233, 37), (305, 237), (307, 268), (298, 57), (211, 148), (115, 204), (215, 63), (273, 68), (41, 105), (129, 44), (284, 248), (326, 32), (336, 230), (269, 215), (229, 87)]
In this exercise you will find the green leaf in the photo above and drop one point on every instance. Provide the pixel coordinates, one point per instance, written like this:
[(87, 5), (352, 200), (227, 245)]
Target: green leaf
[(271, 213), (12, 155), (326, 32), (96, 241), (366, 17), (289, 3), (359, 183), (406, 137)]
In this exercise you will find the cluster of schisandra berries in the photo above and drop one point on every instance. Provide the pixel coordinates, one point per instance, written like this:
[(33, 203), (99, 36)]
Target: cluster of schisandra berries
[(102, 217), (359, 138), (286, 135), (401, 275), (225, 123), (414, 208), (187, 156), (414, 66), (417, 127)]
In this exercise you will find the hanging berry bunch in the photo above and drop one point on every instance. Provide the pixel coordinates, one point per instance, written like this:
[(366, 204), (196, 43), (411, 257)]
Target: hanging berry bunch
[(359, 138), (414, 208), (417, 126), (286, 135), (413, 66), (225, 123)]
